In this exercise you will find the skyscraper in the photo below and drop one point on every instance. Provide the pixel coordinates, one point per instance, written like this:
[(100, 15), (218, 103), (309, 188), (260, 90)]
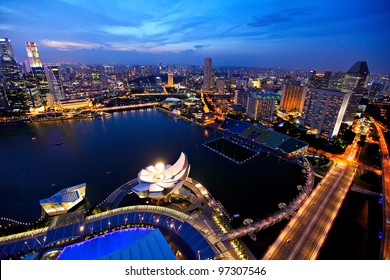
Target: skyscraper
[(261, 105), (293, 97), (355, 82), (33, 55), (14, 96), (53, 79), (241, 98), (170, 80), (323, 111), (208, 74)]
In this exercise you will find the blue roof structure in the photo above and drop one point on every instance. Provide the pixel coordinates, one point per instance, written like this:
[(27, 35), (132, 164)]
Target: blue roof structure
[(127, 244), (263, 136)]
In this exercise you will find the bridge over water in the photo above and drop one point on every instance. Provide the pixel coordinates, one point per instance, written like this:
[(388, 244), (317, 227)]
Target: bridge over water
[(285, 212)]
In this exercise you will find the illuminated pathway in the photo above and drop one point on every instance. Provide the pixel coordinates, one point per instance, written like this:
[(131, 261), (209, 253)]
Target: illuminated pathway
[(305, 234), (127, 107), (285, 212), (385, 249)]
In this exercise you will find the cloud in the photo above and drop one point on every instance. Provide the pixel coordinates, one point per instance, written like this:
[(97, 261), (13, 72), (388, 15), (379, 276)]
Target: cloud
[(68, 45), (188, 51), (200, 46), (122, 30), (279, 17), (9, 11), (6, 27)]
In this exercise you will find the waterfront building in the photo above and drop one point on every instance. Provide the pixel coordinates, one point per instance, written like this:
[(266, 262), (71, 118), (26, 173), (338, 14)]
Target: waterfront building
[(263, 137), (355, 82), (33, 55), (261, 105), (53, 79), (64, 200), (73, 104), (160, 180), (125, 244), (35, 98), (208, 82), (324, 111), (293, 97), (171, 103), (14, 93), (41, 82)]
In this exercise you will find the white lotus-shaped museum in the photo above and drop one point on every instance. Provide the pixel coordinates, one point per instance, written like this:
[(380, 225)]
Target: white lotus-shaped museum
[(159, 180)]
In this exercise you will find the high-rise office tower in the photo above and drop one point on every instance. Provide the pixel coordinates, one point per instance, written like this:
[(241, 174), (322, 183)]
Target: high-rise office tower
[(14, 96), (293, 97), (10, 71), (375, 90), (158, 81), (53, 79), (324, 111), (261, 105), (241, 98), (208, 84), (170, 80), (7, 52), (33, 55), (355, 82), (336, 81)]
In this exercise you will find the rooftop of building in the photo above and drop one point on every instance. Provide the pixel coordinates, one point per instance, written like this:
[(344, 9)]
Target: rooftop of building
[(126, 244), (360, 67)]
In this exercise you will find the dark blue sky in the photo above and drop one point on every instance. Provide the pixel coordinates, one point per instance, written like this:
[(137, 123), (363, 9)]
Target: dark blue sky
[(322, 35)]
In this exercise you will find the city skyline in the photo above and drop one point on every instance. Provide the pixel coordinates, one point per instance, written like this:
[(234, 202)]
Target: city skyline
[(309, 35)]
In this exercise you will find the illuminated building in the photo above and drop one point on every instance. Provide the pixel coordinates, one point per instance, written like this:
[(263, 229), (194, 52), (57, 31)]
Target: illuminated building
[(256, 83), (323, 111), (192, 101), (355, 82), (208, 84), (158, 81), (64, 200), (293, 98), (33, 55), (14, 95), (375, 90), (35, 73), (159, 181), (73, 104), (170, 80), (36, 101), (221, 86), (171, 103), (337, 80), (261, 105), (241, 98), (53, 79), (321, 80)]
